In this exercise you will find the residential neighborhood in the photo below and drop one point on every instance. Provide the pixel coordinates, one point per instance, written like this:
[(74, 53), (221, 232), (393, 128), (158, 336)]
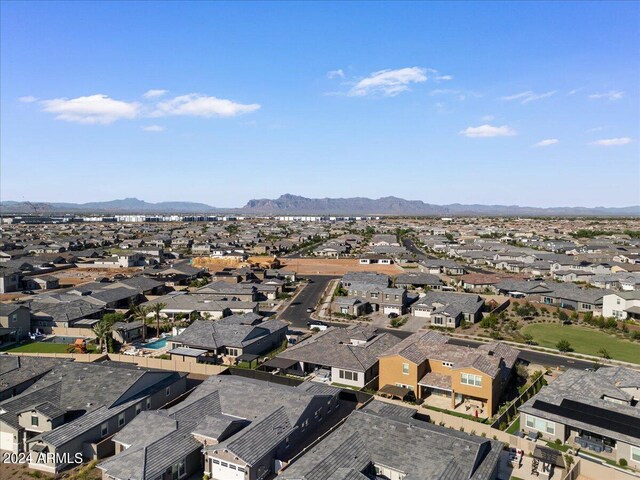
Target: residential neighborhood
[(188, 362)]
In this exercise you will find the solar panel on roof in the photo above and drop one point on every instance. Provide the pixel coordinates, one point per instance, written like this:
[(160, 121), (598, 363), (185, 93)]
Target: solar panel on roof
[(596, 416)]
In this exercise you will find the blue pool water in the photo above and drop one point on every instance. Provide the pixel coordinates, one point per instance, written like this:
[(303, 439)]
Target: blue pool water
[(158, 344)]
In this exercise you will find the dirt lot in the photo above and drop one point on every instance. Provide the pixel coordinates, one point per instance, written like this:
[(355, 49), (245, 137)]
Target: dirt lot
[(333, 266), (75, 276)]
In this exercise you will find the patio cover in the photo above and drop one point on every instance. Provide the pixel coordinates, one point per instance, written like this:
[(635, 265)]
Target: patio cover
[(394, 391), (187, 352), (549, 456), (436, 380), (281, 363), (247, 357)]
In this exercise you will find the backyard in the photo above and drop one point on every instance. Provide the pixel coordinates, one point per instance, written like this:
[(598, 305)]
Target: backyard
[(584, 340)]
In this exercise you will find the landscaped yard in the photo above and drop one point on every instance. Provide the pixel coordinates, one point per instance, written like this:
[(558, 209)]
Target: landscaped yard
[(584, 340), (39, 347)]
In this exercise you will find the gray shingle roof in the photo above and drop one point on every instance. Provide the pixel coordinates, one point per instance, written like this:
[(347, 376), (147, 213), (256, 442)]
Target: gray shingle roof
[(417, 449), (333, 348)]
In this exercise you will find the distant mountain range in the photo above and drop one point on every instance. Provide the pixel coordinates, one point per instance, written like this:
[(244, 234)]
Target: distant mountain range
[(296, 205)]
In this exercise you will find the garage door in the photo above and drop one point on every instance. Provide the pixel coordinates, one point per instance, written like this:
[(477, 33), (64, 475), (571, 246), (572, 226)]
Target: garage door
[(388, 310), (6, 442), (221, 470)]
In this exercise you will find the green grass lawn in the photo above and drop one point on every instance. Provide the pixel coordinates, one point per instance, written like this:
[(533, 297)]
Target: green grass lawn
[(514, 427), (584, 340), (39, 347)]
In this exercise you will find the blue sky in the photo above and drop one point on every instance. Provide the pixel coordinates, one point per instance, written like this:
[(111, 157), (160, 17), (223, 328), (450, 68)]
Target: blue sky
[(494, 103)]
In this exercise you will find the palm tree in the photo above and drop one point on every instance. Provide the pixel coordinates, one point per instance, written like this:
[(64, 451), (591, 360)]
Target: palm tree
[(102, 330), (140, 313), (156, 308)]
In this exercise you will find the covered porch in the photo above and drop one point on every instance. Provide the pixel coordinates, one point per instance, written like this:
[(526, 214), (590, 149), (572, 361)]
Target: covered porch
[(436, 391)]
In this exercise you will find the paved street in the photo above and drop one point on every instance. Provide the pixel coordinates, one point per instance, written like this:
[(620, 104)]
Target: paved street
[(296, 312)]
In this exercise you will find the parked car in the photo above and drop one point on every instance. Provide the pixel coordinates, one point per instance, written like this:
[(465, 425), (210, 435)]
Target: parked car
[(393, 315), (317, 324), (310, 310)]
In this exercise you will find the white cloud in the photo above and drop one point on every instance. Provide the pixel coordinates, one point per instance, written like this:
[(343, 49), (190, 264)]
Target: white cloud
[(444, 91), (488, 118), (197, 105), (610, 95), (93, 109), (153, 128), (154, 93), (488, 131), (444, 77), (546, 143), (28, 99), (529, 96), (612, 142), (335, 73), (388, 82)]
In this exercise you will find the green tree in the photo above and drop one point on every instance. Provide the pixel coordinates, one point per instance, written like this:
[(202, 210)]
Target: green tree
[(102, 330), (140, 313), (156, 308), (563, 345), (562, 316), (604, 353), (528, 338)]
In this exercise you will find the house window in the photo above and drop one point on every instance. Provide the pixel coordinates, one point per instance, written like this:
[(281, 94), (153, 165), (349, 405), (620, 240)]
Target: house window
[(138, 408), (541, 425), (374, 295), (470, 379), (104, 429), (148, 403), (347, 375), (168, 391), (405, 369), (121, 419), (447, 364), (635, 454), (35, 420)]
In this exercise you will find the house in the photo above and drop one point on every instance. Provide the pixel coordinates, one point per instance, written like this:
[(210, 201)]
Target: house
[(622, 305), (9, 279), (239, 428), (15, 322), (179, 273), (349, 306), (371, 258), (384, 240), (521, 288), (390, 444), (573, 297), (448, 309), (351, 354), (243, 292), (76, 407), (123, 260), (425, 364), (205, 306), (422, 280), (127, 332), (61, 311), (42, 282), (595, 411), (229, 338), (18, 372)]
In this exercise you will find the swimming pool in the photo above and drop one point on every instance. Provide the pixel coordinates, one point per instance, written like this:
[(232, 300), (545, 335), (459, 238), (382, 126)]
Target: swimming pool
[(157, 344)]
